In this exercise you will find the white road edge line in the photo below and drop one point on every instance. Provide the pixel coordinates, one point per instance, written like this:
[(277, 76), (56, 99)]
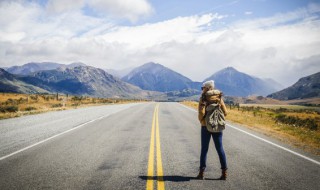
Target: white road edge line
[(269, 142), (40, 142)]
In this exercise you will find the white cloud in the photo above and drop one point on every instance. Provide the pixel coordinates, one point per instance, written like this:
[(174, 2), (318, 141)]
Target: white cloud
[(129, 9), (32, 22), (281, 18), (180, 29)]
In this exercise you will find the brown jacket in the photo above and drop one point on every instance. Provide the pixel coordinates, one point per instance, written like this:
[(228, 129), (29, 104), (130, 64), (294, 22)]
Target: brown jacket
[(211, 96)]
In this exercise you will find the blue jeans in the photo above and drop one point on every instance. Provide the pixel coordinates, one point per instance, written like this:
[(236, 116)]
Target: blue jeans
[(205, 140)]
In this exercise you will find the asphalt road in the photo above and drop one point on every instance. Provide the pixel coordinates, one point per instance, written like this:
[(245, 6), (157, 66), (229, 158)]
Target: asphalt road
[(108, 147)]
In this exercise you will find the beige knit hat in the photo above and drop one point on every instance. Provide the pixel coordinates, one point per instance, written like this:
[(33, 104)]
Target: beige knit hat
[(208, 84)]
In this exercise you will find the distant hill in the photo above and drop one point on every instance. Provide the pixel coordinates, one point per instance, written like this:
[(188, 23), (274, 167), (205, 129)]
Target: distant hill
[(306, 87), (11, 83), (252, 100), (235, 83), (155, 77), (29, 68), (83, 80)]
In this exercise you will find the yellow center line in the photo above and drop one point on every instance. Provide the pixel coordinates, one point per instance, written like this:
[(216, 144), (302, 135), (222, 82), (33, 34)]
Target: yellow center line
[(155, 132), (151, 156), (159, 160)]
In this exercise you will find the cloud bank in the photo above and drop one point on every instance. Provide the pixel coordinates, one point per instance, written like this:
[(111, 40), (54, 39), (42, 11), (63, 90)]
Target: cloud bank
[(284, 47)]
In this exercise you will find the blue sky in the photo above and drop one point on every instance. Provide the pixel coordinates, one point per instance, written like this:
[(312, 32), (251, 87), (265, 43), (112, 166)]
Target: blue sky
[(276, 39), (237, 8)]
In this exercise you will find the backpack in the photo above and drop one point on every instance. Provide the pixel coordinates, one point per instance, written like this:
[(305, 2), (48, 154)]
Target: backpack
[(214, 117)]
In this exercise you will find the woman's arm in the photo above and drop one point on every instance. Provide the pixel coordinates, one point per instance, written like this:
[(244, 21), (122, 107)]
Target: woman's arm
[(223, 107), (201, 109)]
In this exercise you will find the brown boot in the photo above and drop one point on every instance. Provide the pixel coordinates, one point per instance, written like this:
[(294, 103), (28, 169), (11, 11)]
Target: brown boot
[(223, 174), (201, 174)]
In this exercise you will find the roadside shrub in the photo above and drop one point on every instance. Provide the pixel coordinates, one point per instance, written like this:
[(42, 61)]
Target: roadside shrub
[(297, 122), (280, 110), (280, 118), (22, 100), (30, 108), (10, 101), (10, 109), (106, 101), (56, 105), (46, 97), (77, 98), (34, 97), (311, 123)]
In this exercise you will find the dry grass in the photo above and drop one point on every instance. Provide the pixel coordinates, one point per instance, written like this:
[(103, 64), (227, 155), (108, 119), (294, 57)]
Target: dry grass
[(278, 106), (264, 122), (314, 101), (15, 105), (191, 104)]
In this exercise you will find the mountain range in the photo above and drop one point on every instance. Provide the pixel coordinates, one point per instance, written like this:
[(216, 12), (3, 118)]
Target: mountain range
[(235, 83), (306, 87), (151, 80), (156, 77), (12, 84), (34, 67), (78, 80), (152, 76)]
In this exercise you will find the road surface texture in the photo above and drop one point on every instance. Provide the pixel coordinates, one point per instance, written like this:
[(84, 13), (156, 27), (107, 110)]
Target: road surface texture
[(141, 146)]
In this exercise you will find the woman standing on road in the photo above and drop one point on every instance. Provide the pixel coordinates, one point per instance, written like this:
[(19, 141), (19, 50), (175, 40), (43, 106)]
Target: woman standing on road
[(211, 98)]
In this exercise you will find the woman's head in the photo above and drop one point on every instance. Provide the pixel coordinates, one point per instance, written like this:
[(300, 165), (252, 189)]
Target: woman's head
[(208, 85)]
